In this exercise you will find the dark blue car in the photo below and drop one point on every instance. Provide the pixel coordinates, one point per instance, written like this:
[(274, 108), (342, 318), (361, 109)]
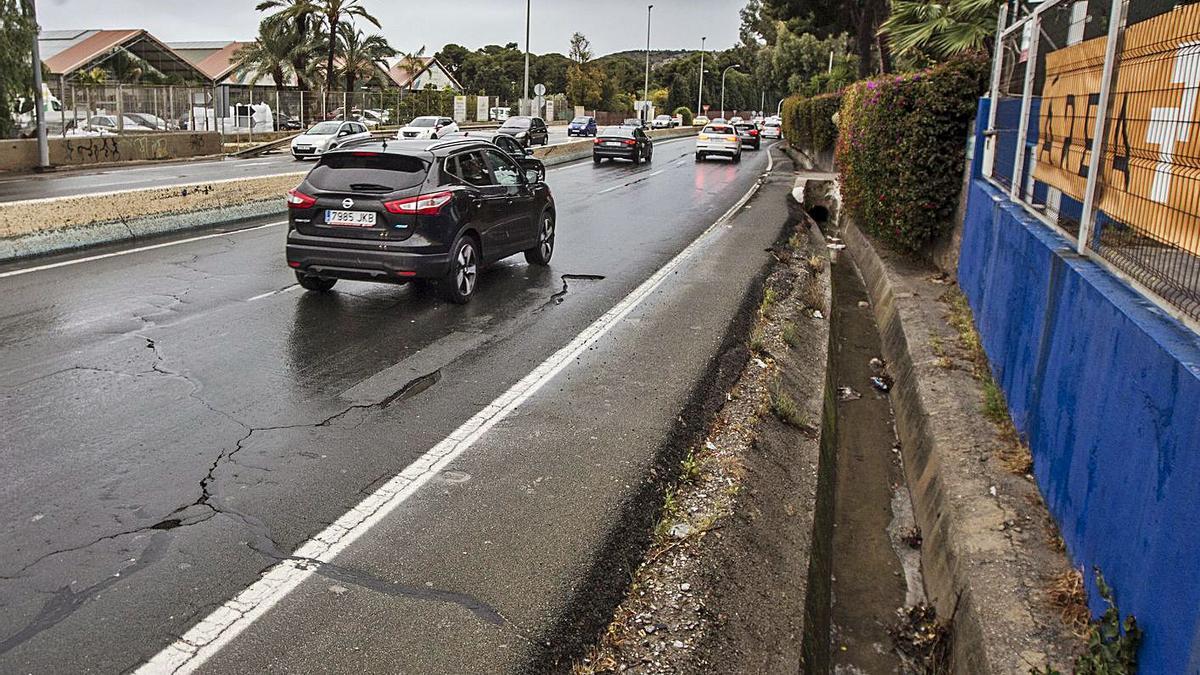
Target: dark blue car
[(582, 126)]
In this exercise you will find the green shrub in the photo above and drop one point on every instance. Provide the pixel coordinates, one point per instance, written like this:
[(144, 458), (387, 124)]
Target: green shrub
[(901, 147), (686, 113), (808, 122)]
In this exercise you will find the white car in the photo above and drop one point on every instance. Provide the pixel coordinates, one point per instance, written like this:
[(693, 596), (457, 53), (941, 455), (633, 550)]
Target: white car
[(325, 136), (377, 116), (735, 120), (718, 139), (427, 127), (663, 122), (772, 129), (110, 123)]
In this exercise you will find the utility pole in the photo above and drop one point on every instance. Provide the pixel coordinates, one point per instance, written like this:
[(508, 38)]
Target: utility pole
[(646, 90), (39, 103), (525, 99), (700, 91)]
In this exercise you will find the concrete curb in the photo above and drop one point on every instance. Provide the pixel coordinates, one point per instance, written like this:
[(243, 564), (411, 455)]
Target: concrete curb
[(968, 551), (32, 238)]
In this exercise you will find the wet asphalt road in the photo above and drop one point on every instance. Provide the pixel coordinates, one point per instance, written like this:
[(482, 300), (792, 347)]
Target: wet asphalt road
[(94, 181), (175, 420)]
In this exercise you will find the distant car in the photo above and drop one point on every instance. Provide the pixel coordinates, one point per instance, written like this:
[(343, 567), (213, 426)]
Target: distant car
[(749, 134), (511, 146), (285, 122), (736, 120), (635, 122), (499, 114), (150, 121), (325, 136), (527, 130), (417, 210), (772, 129), (718, 139), (719, 120), (110, 123), (664, 122), (427, 127), (379, 117), (699, 121), (623, 142), (582, 126)]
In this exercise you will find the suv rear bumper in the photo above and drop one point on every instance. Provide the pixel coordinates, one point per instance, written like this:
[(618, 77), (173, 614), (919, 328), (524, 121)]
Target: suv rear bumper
[(365, 265), (719, 149)]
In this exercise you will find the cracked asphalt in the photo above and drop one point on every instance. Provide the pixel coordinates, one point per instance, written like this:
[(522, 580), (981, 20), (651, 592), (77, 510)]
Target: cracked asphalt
[(176, 421)]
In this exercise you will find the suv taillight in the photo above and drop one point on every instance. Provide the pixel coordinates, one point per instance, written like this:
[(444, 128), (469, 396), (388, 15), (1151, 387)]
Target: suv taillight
[(422, 205), (298, 200)]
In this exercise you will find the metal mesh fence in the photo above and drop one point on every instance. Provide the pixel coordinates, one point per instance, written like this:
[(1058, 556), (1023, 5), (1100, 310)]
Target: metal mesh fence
[(1103, 142)]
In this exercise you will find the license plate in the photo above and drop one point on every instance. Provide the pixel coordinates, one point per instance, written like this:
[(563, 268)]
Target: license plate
[(350, 218), (615, 144)]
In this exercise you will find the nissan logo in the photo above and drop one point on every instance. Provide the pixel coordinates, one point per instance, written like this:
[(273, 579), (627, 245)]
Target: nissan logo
[(347, 203)]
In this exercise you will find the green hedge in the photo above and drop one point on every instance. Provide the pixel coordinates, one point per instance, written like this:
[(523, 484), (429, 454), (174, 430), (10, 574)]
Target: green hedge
[(901, 150), (808, 121), (686, 113)]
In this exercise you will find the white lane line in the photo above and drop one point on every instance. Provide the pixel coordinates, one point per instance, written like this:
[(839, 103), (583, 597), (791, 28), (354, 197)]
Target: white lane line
[(219, 628), (114, 254), (277, 291)]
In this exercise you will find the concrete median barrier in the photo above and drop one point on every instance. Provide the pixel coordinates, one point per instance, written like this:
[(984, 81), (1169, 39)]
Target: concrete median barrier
[(43, 226), (79, 151)]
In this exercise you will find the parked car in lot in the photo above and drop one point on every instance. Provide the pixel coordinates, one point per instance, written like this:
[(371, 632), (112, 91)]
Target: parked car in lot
[(499, 114), (635, 122), (664, 122), (417, 210), (325, 136), (528, 130), (110, 123), (718, 139), (749, 134), (582, 126), (623, 142), (427, 127), (511, 146), (150, 121), (284, 122), (736, 120), (772, 128), (699, 120)]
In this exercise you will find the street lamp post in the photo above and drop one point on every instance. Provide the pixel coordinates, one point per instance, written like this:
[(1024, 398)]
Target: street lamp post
[(646, 90), (735, 66), (525, 98), (700, 91)]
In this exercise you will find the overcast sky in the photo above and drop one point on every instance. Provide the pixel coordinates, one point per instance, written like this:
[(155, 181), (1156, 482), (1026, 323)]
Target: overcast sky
[(611, 25)]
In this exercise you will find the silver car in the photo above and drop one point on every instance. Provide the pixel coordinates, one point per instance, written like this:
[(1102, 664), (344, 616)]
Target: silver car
[(718, 139), (325, 136)]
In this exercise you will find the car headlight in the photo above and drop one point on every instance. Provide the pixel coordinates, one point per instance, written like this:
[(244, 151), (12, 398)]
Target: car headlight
[(521, 134)]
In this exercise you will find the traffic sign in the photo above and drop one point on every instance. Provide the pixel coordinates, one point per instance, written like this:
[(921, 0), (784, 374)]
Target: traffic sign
[(539, 89)]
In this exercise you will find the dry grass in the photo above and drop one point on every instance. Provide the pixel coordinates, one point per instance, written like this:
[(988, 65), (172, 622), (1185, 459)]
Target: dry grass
[(1069, 596)]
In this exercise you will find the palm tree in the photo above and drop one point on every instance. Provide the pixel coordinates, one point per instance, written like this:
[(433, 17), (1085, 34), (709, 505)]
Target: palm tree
[(271, 54), (298, 18), (333, 13), (362, 55), (942, 28)]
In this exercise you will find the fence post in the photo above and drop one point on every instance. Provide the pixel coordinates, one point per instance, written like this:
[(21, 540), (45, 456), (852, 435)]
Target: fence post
[(1116, 31), (120, 109), (989, 149), (1035, 22), (345, 105)]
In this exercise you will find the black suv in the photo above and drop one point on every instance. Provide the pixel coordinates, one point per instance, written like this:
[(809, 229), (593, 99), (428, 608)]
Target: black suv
[(406, 210), (527, 130)]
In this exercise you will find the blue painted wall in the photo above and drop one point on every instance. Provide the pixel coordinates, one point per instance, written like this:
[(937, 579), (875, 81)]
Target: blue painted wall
[(1105, 387)]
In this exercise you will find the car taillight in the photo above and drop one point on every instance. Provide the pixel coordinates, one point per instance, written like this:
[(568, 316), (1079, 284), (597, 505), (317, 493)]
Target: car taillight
[(754, 132), (731, 138), (298, 200), (597, 141), (703, 137), (422, 205), (630, 141)]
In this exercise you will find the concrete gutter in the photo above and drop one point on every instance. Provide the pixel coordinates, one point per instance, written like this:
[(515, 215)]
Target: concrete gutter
[(38, 227), (971, 562)]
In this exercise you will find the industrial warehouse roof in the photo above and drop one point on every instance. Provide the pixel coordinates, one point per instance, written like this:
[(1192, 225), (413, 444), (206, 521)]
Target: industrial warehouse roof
[(67, 52)]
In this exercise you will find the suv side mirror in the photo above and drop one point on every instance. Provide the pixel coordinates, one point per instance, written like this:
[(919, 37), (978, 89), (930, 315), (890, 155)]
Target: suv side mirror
[(535, 171)]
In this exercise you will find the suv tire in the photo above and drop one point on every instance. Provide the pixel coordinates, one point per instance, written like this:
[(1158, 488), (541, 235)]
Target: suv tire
[(459, 283), (541, 254)]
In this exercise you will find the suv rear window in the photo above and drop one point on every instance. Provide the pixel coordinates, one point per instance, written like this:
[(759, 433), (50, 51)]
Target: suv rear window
[(368, 172), (718, 129)]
